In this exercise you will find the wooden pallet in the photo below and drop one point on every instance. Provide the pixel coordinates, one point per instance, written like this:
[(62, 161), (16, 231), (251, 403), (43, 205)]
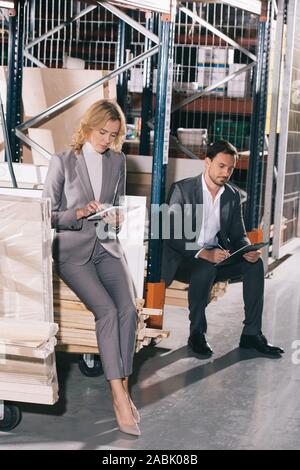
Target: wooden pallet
[(177, 293), (77, 325)]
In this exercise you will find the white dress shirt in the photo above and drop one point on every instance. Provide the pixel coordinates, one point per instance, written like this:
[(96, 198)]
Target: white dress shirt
[(93, 160), (211, 220)]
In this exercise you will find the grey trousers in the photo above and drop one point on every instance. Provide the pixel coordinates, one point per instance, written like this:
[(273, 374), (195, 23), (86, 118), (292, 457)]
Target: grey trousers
[(104, 285)]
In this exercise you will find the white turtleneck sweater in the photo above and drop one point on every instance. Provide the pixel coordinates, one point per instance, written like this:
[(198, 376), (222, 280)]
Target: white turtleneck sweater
[(93, 162)]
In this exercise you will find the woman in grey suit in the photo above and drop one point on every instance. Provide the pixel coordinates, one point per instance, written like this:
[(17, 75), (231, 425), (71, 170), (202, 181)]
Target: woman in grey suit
[(87, 254)]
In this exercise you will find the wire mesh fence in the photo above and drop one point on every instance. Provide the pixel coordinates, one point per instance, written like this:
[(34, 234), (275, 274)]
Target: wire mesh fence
[(201, 59), (291, 201)]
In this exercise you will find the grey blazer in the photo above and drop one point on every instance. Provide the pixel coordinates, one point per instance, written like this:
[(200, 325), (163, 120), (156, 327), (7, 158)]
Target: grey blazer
[(68, 186), (188, 193)]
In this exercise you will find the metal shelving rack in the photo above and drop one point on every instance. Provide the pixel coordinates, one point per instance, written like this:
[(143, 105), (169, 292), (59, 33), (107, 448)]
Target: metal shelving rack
[(89, 30), (73, 27), (76, 31)]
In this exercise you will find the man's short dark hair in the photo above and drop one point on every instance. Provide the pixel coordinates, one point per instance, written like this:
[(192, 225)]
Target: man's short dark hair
[(222, 146)]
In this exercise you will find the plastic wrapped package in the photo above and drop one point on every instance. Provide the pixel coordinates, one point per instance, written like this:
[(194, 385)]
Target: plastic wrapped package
[(26, 266), (27, 360)]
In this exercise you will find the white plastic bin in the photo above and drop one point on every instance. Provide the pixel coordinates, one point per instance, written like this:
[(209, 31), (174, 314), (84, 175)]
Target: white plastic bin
[(192, 136)]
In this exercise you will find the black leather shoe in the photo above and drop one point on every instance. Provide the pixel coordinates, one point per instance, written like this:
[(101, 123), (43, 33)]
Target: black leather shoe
[(276, 348), (199, 345), (260, 343)]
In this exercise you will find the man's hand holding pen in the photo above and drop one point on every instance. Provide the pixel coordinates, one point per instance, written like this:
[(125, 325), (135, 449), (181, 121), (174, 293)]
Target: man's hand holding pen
[(214, 255)]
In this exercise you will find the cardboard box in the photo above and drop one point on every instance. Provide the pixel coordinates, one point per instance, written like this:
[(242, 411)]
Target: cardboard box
[(238, 87)]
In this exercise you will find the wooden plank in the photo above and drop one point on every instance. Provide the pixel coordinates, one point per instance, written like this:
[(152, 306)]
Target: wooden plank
[(41, 352), (176, 302), (152, 311), (77, 349), (76, 324), (153, 333), (177, 294), (179, 285), (75, 341), (77, 333), (70, 305)]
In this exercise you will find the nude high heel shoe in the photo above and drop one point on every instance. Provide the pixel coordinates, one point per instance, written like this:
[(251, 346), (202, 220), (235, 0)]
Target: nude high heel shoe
[(134, 430), (135, 413)]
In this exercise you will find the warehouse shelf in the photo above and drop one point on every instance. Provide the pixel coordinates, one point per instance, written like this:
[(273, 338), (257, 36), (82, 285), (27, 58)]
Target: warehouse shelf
[(207, 104), (220, 104), (206, 40)]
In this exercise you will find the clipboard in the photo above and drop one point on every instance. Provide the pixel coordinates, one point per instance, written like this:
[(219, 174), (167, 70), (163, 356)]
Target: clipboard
[(241, 251)]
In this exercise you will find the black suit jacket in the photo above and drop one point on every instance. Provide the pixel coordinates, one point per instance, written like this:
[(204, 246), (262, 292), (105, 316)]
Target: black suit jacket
[(186, 196)]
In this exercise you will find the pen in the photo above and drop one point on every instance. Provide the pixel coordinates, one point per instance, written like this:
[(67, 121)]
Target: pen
[(225, 251)]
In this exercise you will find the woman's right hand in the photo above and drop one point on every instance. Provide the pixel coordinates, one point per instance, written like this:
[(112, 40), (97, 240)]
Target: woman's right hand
[(89, 209)]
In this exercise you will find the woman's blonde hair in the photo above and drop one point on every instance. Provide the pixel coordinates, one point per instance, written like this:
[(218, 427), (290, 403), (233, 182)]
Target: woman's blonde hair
[(96, 117)]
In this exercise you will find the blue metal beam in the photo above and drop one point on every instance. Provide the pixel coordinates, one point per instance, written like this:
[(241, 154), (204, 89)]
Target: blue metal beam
[(161, 141), (14, 80)]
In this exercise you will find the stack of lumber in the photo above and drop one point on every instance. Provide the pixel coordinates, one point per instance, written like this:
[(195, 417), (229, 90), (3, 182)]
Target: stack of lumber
[(77, 324), (218, 290), (27, 331), (177, 293), (145, 335)]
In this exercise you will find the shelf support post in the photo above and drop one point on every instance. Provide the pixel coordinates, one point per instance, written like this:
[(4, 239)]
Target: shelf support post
[(155, 289), (14, 80)]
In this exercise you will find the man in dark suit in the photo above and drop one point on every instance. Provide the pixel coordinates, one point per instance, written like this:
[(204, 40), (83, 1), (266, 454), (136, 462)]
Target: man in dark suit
[(206, 224)]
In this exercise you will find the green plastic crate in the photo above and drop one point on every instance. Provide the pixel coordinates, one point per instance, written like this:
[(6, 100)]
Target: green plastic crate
[(237, 133)]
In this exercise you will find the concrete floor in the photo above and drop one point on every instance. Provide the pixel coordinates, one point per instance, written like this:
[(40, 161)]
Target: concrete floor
[(234, 400)]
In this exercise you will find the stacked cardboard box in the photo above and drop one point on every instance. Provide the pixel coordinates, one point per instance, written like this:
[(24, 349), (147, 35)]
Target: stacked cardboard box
[(135, 84), (213, 63), (238, 87)]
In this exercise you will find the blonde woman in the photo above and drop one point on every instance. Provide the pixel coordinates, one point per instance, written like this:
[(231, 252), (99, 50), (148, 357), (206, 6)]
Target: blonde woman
[(79, 182)]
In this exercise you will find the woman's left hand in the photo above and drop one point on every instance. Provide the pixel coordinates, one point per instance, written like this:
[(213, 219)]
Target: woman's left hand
[(114, 218)]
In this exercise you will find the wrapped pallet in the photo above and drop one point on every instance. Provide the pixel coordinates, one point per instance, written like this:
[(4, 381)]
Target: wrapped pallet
[(27, 332)]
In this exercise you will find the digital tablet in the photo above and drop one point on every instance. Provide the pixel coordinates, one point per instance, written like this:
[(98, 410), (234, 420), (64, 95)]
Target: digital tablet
[(238, 253), (99, 215)]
